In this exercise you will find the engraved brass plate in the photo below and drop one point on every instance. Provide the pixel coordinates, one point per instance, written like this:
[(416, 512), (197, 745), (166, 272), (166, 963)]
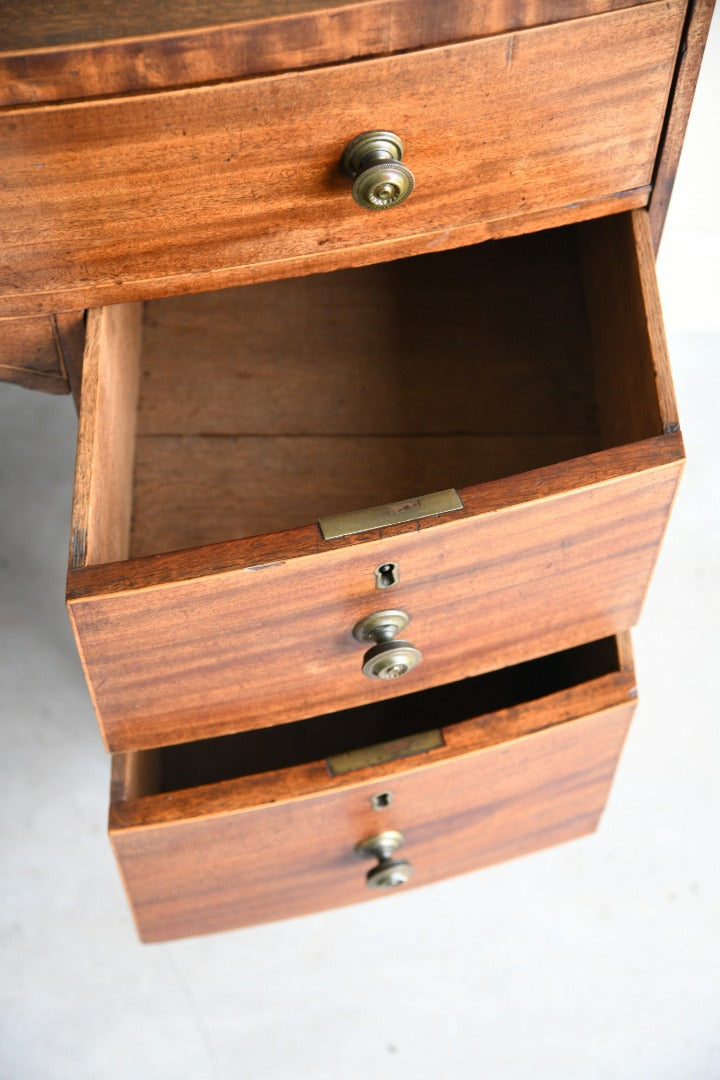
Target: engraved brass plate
[(382, 753), (377, 517)]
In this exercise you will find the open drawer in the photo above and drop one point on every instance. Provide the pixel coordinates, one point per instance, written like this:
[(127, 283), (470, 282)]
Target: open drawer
[(529, 375), (264, 825)]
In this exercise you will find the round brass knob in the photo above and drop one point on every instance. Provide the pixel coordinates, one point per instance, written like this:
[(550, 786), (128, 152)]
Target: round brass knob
[(389, 872), (390, 660), (390, 657), (373, 159)]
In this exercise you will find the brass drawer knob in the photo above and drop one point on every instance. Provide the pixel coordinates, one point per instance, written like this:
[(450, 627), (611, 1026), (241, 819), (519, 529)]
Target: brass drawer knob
[(389, 872), (389, 658), (373, 160)]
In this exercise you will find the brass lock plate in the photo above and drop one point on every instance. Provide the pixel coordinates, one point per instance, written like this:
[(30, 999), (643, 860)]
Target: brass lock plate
[(382, 753), (379, 517)]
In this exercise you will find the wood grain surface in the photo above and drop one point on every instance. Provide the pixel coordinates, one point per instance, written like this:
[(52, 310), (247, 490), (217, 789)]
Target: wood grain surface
[(45, 24), (54, 54), (257, 768), (255, 647), (257, 632), (36, 352), (102, 501), (279, 845), (633, 380), (430, 345), (690, 55), (70, 334), (179, 191), (267, 407)]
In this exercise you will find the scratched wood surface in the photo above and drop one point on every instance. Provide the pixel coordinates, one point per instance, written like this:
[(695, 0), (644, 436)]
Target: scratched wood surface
[(81, 50), (535, 562), (280, 844), (160, 193)]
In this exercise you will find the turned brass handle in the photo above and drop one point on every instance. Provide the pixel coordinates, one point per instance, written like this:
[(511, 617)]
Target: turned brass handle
[(374, 161), (389, 872), (389, 658)]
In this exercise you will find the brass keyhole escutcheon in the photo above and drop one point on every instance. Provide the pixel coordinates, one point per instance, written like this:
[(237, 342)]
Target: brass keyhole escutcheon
[(389, 872), (389, 657), (374, 161)]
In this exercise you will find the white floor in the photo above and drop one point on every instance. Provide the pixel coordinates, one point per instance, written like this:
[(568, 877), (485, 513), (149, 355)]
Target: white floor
[(599, 960)]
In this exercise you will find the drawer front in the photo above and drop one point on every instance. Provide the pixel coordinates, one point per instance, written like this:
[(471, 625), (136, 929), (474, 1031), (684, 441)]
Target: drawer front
[(200, 188), (258, 631), (269, 644), (282, 844), (98, 51)]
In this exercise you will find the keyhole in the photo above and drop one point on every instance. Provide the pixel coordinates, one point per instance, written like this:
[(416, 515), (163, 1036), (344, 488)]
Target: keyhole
[(386, 575), (382, 800)]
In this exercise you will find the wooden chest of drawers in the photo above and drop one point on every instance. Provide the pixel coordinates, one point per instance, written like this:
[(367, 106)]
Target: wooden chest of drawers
[(227, 440)]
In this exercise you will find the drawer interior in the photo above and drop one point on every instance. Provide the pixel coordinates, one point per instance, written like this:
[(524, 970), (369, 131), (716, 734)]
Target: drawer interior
[(229, 757), (263, 408), (266, 407)]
